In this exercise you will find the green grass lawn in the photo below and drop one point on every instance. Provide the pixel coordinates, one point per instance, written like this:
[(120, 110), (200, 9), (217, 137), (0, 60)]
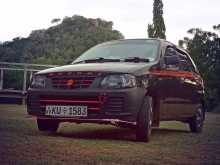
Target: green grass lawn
[(172, 143)]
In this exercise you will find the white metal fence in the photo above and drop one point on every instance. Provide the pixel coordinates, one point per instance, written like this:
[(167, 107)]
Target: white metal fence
[(27, 69)]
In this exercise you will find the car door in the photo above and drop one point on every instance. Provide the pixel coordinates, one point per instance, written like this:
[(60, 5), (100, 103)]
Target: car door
[(178, 86), (191, 84)]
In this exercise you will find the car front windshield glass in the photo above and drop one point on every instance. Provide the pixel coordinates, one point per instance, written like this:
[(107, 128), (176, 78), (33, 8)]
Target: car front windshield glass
[(122, 49)]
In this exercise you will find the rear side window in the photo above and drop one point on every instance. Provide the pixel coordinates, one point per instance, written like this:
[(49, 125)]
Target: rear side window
[(185, 62)]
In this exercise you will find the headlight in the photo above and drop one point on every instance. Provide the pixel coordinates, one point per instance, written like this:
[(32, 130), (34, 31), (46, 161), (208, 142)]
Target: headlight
[(38, 81), (116, 81)]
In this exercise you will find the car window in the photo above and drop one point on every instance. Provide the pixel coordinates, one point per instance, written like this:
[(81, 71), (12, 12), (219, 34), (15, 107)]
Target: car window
[(185, 62), (170, 51)]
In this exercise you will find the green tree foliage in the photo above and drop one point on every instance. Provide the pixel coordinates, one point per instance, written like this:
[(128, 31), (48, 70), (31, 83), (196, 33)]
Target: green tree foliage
[(157, 29), (204, 48), (59, 44), (13, 79), (56, 20)]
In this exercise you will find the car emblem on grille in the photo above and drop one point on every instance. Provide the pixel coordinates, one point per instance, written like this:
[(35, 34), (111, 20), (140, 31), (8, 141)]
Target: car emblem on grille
[(70, 82)]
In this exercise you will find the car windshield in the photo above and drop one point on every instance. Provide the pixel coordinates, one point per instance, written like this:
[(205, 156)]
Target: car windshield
[(122, 49)]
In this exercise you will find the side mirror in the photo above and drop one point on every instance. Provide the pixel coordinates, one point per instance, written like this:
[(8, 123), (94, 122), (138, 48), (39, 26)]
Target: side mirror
[(171, 60)]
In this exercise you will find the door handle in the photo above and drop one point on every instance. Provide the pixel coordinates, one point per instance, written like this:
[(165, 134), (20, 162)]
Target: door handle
[(187, 81)]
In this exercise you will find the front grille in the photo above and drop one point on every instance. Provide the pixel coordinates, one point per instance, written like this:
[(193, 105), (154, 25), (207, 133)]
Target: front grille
[(115, 104), (72, 80), (93, 103)]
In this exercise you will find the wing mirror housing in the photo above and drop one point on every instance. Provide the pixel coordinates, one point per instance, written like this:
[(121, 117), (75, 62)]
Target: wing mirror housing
[(171, 60)]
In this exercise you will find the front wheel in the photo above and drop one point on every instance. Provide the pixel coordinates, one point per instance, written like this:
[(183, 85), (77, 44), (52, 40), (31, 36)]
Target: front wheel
[(47, 125), (196, 122), (144, 120)]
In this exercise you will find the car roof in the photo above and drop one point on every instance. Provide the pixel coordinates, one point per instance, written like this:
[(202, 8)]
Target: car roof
[(133, 39)]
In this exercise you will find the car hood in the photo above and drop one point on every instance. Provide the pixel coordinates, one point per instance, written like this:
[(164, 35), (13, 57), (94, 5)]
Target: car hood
[(122, 67)]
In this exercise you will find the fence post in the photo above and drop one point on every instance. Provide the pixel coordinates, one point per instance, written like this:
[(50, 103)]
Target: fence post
[(24, 83), (1, 79), (25, 79), (31, 75)]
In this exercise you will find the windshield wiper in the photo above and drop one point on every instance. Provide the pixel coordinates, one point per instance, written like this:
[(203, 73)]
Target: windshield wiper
[(101, 59), (136, 59)]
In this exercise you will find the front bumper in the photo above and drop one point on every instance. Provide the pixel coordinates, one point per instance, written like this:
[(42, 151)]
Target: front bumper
[(103, 105)]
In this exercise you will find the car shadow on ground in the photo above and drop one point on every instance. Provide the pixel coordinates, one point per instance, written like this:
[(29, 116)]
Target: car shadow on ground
[(114, 133)]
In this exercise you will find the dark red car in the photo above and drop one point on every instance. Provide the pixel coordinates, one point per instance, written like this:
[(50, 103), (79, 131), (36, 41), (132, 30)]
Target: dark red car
[(128, 83)]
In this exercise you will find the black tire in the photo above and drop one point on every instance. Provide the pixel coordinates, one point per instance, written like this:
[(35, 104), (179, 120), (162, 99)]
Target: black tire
[(196, 122), (47, 125), (144, 121)]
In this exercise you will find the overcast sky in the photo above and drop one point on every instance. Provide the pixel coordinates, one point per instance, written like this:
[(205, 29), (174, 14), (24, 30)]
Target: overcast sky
[(20, 17)]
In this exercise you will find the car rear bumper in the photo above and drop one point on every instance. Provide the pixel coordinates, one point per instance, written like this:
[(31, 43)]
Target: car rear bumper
[(104, 106)]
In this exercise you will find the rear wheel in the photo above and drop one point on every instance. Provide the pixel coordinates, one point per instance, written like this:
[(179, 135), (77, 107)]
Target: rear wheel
[(47, 125), (144, 121), (196, 122)]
